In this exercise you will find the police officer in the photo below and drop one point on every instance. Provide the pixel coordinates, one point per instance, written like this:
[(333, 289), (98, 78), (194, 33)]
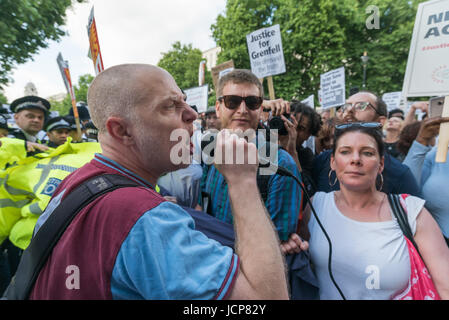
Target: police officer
[(73, 132), (29, 115), (58, 130), (83, 112), (4, 129), (91, 132)]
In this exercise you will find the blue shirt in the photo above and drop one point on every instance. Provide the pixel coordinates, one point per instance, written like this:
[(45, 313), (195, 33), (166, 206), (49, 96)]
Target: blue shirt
[(163, 256), (433, 178), (283, 196)]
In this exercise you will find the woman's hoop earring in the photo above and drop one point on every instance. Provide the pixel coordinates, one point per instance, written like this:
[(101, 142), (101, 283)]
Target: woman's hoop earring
[(335, 181), (381, 182)]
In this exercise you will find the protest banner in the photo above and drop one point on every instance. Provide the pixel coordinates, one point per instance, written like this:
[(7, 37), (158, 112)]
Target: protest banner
[(198, 97), (95, 53), (65, 72), (266, 54), (220, 70), (309, 101), (427, 72), (392, 100), (333, 89)]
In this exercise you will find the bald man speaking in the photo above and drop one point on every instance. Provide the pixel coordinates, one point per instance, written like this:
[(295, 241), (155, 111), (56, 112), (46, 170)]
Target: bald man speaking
[(132, 244)]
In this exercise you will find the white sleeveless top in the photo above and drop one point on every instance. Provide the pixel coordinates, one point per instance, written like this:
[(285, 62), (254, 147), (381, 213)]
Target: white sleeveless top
[(369, 259)]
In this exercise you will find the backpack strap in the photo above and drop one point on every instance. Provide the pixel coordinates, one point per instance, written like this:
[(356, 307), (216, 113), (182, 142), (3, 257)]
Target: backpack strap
[(402, 219), (42, 244)]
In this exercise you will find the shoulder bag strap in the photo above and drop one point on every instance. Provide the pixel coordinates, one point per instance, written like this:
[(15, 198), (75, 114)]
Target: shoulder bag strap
[(402, 219), (42, 244)]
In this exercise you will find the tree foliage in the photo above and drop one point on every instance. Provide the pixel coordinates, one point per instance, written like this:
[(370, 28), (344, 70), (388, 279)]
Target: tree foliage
[(80, 93), (321, 35), (27, 26), (182, 62), (3, 99)]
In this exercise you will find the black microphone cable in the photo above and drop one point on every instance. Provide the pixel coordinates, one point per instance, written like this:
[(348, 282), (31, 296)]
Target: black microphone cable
[(285, 172)]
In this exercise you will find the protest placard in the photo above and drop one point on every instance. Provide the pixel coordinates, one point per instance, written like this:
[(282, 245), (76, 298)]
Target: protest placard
[(333, 89), (392, 100), (265, 52), (309, 101), (198, 96), (220, 70), (95, 53), (427, 72)]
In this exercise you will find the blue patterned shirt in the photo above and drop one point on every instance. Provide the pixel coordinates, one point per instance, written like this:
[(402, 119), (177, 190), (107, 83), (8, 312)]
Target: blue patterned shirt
[(282, 203)]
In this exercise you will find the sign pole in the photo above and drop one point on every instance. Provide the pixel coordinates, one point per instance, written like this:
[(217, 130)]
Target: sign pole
[(443, 140), (271, 88)]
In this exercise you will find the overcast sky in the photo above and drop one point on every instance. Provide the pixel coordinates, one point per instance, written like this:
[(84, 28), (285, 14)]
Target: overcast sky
[(129, 31)]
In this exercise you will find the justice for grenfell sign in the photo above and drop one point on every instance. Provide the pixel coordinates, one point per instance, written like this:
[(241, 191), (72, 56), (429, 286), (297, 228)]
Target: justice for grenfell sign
[(265, 52)]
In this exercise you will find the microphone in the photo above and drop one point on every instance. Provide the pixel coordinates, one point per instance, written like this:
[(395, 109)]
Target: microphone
[(208, 144)]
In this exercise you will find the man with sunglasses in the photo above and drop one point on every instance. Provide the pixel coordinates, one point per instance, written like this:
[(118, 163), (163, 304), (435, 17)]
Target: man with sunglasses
[(239, 108), (365, 106)]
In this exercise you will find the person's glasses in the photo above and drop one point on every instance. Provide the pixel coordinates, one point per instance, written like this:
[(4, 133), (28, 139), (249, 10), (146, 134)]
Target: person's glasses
[(358, 106), (233, 102), (370, 125)]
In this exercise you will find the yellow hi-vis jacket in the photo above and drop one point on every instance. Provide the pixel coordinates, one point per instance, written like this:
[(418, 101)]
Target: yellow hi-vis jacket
[(26, 187), (11, 150)]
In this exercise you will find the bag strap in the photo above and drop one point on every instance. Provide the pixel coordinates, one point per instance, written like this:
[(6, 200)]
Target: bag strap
[(42, 244), (402, 219)]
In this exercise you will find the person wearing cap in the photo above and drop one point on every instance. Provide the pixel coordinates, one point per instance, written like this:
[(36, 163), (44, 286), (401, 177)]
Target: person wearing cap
[(73, 132), (83, 112), (4, 130), (212, 122), (396, 113), (91, 132), (58, 130), (29, 115)]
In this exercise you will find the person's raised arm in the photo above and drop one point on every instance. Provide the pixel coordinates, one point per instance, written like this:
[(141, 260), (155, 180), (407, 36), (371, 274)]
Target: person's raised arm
[(262, 273)]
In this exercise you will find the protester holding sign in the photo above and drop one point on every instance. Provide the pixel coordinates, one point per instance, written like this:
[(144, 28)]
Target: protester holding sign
[(432, 177)]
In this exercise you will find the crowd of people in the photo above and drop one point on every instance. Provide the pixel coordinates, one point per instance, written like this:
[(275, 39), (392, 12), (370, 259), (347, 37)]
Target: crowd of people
[(224, 229)]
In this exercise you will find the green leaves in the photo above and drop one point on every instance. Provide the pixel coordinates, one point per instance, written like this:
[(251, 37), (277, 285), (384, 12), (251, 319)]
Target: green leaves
[(321, 35), (25, 27), (80, 93)]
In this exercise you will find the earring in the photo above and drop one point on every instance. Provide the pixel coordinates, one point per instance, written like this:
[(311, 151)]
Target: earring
[(335, 181), (381, 182)]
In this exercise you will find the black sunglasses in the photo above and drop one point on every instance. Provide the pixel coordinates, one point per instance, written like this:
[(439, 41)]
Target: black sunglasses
[(233, 102), (370, 125)]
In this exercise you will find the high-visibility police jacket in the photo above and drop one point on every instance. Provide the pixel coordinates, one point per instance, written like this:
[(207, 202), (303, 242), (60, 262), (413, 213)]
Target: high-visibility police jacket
[(26, 188), (11, 150)]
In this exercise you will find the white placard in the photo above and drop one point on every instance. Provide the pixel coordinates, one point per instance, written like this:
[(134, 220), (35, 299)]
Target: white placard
[(333, 89), (309, 101), (223, 72), (265, 52), (198, 96), (427, 72), (392, 100)]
